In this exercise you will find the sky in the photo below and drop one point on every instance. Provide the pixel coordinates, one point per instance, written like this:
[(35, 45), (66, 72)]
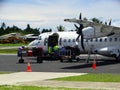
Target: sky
[(51, 13)]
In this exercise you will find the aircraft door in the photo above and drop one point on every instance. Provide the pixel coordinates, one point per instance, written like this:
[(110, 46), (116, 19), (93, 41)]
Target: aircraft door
[(53, 40)]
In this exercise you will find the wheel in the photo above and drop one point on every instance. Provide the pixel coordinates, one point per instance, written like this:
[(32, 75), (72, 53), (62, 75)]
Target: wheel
[(78, 59), (70, 59), (39, 60), (61, 60), (118, 59), (21, 60)]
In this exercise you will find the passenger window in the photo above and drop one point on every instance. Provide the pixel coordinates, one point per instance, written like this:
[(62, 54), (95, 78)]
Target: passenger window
[(64, 40), (91, 39), (105, 39), (115, 39), (110, 39), (96, 40), (86, 40), (73, 40), (45, 41), (39, 38), (100, 40), (69, 40)]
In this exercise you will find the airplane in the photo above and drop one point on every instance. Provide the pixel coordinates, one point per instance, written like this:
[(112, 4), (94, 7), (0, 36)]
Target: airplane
[(106, 46), (95, 38), (11, 38), (30, 37), (8, 35)]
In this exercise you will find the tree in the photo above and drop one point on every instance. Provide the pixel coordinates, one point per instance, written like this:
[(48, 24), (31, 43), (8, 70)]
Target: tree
[(46, 30), (28, 29), (1, 31), (60, 28), (3, 26), (85, 18), (96, 20)]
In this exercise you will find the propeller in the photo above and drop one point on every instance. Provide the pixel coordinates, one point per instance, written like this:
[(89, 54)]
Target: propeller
[(80, 33)]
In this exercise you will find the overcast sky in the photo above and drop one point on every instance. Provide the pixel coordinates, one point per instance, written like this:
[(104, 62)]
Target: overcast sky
[(51, 13)]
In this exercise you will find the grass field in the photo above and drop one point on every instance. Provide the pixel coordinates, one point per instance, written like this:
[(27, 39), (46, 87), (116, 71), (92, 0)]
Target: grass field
[(93, 78), (16, 44), (9, 51), (5, 73), (12, 50), (38, 88), (87, 78)]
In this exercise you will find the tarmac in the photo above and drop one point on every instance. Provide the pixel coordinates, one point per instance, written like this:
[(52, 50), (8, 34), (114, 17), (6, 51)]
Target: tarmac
[(43, 79)]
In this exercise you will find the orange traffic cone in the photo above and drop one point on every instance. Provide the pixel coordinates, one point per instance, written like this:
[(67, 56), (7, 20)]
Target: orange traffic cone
[(94, 64), (28, 67)]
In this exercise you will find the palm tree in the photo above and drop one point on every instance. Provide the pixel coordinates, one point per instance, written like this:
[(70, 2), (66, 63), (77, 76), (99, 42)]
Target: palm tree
[(96, 20), (3, 26), (60, 28)]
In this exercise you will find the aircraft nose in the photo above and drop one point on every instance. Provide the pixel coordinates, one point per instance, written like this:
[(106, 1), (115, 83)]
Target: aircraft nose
[(34, 43)]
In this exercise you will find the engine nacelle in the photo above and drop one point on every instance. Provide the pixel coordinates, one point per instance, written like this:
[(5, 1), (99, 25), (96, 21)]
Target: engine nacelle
[(90, 32), (108, 51)]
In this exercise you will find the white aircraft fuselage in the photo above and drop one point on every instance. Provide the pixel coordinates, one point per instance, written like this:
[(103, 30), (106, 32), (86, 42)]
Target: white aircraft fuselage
[(107, 46)]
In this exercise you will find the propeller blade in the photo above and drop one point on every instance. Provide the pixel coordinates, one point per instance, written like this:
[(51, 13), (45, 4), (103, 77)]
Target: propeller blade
[(81, 26), (80, 17), (82, 44), (80, 33), (105, 23), (77, 37), (76, 26), (110, 22)]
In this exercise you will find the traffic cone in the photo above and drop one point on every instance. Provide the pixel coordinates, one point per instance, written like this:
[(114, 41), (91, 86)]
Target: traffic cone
[(94, 64), (28, 67)]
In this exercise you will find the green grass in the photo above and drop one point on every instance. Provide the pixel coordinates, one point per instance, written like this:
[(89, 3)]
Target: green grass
[(5, 72), (38, 88), (93, 78), (16, 44), (8, 51)]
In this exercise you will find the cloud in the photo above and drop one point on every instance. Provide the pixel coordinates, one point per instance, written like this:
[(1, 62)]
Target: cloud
[(49, 14)]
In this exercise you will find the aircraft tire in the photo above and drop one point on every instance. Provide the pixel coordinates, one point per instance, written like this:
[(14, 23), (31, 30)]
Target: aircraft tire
[(39, 60), (78, 59), (118, 59), (70, 59), (21, 60), (61, 59)]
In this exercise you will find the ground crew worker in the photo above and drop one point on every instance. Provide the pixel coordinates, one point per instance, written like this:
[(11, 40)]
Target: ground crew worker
[(56, 48), (49, 49)]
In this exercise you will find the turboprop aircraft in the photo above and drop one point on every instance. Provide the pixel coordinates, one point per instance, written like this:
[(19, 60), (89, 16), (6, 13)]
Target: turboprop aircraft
[(94, 38), (106, 46)]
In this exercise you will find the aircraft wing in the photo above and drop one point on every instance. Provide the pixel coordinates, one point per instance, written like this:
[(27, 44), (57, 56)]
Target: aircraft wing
[(99, 28)]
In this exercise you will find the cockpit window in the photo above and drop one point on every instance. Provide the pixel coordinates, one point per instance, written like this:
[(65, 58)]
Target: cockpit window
[(40, 38)]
